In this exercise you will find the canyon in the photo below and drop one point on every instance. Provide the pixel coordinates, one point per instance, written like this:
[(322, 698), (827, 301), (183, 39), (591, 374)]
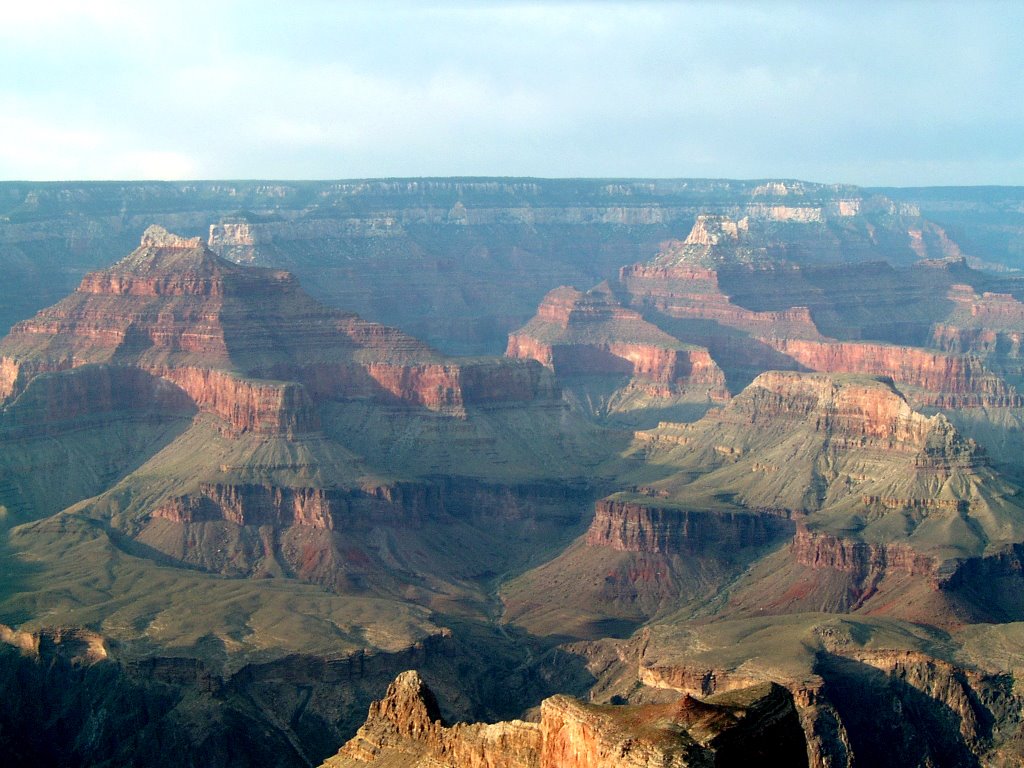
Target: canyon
[(685, 472)]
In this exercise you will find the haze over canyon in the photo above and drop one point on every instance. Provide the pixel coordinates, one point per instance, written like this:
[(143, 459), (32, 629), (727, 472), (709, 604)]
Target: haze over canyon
[(511, 472)]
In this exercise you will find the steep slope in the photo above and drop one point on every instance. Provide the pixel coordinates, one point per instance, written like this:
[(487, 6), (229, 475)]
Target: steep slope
[(868, 690), (614, 361), (732, 287), (889, 510), (236, 338), (311, 455), (405, 729)]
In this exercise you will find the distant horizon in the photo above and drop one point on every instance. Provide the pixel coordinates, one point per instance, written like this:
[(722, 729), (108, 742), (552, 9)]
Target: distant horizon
[(327, 180), (908, 94)]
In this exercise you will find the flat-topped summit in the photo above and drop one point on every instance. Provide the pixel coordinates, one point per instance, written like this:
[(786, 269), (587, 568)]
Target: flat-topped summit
[(716, 240), (177, 310), (165, 255), (710, 230), (156, 236)]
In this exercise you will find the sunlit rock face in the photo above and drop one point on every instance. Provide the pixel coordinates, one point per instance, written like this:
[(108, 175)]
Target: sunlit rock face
[(405, 728)]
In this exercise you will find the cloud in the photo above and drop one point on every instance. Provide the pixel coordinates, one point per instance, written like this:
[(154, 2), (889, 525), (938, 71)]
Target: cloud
[(868, 93), (39, 149)]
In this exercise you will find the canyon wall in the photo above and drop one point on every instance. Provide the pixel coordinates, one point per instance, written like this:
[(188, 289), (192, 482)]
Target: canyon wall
[(632, 527), (405, 728), (945, 380)]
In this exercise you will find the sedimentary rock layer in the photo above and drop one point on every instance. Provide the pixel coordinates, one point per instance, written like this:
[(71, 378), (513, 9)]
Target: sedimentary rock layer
[(405, 729), (632, 527)]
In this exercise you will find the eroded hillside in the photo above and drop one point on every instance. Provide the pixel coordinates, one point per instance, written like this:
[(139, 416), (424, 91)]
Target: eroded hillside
[(752, 464)]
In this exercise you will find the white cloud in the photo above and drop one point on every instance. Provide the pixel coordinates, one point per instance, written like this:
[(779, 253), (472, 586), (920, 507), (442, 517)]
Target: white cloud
[(31, 148), (221, 88)]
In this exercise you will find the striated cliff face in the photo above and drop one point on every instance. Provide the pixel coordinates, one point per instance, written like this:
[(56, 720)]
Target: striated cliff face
[(880, 501), (740, 289), (404, 728), (689, 291), (865, 562), (247, 405), (904, 706), (591, 334), (987, 325), (840, 407), (253, 505), (361, 537), (631, 527), (55, 401), (946, 380), (246, 344)]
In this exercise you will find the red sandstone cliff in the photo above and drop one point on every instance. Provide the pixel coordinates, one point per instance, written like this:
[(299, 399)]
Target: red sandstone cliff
[(944, 380), (684, 285), (877, 490), (633, 527), (245, 344), (587, 334)]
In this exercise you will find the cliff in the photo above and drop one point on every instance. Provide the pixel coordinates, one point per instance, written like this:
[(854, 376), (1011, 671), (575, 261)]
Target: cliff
[(591, 334), (632, 527), (883, 505), (868, 690), (935, 379), (867, 563), (245, 344), (56, 402), (686, 291), (404, 728), (744, 291)]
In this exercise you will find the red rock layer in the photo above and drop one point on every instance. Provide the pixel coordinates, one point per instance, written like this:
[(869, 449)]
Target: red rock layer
[(843, 409), (693, 292), (667, 370), (252, 505), (54, 400), (587, 334), (567, 307), (950, 381), (245, 343), (990, 326), (248, 405), (987, 327), (631, 527), (322, 508), (860, 559)]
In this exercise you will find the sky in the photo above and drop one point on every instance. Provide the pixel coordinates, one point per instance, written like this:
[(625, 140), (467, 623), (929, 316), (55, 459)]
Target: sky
[(870, 93)]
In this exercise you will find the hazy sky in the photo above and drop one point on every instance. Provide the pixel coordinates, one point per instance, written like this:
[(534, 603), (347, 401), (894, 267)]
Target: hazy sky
[(873, 93)]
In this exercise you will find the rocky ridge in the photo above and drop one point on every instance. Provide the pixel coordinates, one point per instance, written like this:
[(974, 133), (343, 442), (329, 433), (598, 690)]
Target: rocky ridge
[(589, 340), (244, 343), (405, 728), (875, 499), (330, 473)]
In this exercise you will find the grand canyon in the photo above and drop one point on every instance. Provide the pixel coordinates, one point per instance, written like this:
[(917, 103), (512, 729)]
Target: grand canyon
[(511, 472)]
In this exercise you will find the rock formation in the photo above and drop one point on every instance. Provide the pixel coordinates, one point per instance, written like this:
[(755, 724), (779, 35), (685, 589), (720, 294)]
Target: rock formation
[(262, 509), (405, 728), (842, 672), (591, 342), (244, 343), (283, 473), (879, 500)]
